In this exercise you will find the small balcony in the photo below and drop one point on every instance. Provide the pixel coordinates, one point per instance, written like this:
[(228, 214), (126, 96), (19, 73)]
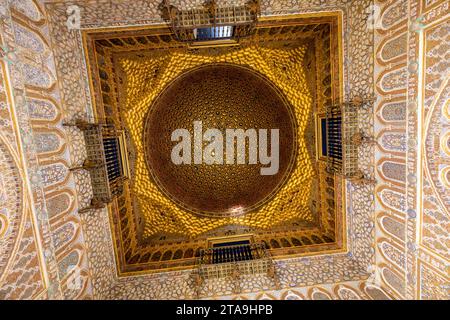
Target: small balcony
[(343, 138), (106, 161), (214, 20), (230, 262)]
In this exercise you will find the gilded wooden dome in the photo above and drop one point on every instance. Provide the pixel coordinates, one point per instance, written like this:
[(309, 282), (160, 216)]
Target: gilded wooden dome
[(221, 96)]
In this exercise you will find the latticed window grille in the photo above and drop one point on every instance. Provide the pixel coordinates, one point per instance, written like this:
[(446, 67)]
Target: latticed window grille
[(334, 138), (210, 33), (112, 158), (341, 126), (231, 252)]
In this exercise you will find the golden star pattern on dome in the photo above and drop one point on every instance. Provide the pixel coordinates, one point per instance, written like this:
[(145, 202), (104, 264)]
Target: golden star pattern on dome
[(221, 98), (146, 77)]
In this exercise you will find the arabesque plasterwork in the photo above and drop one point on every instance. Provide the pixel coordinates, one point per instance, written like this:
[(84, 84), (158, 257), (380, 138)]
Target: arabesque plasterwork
[(397, 246)]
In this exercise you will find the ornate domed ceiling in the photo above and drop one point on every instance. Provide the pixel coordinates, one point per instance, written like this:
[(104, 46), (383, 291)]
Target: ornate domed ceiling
[(278, 78), (221, 96), (108, 61)]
